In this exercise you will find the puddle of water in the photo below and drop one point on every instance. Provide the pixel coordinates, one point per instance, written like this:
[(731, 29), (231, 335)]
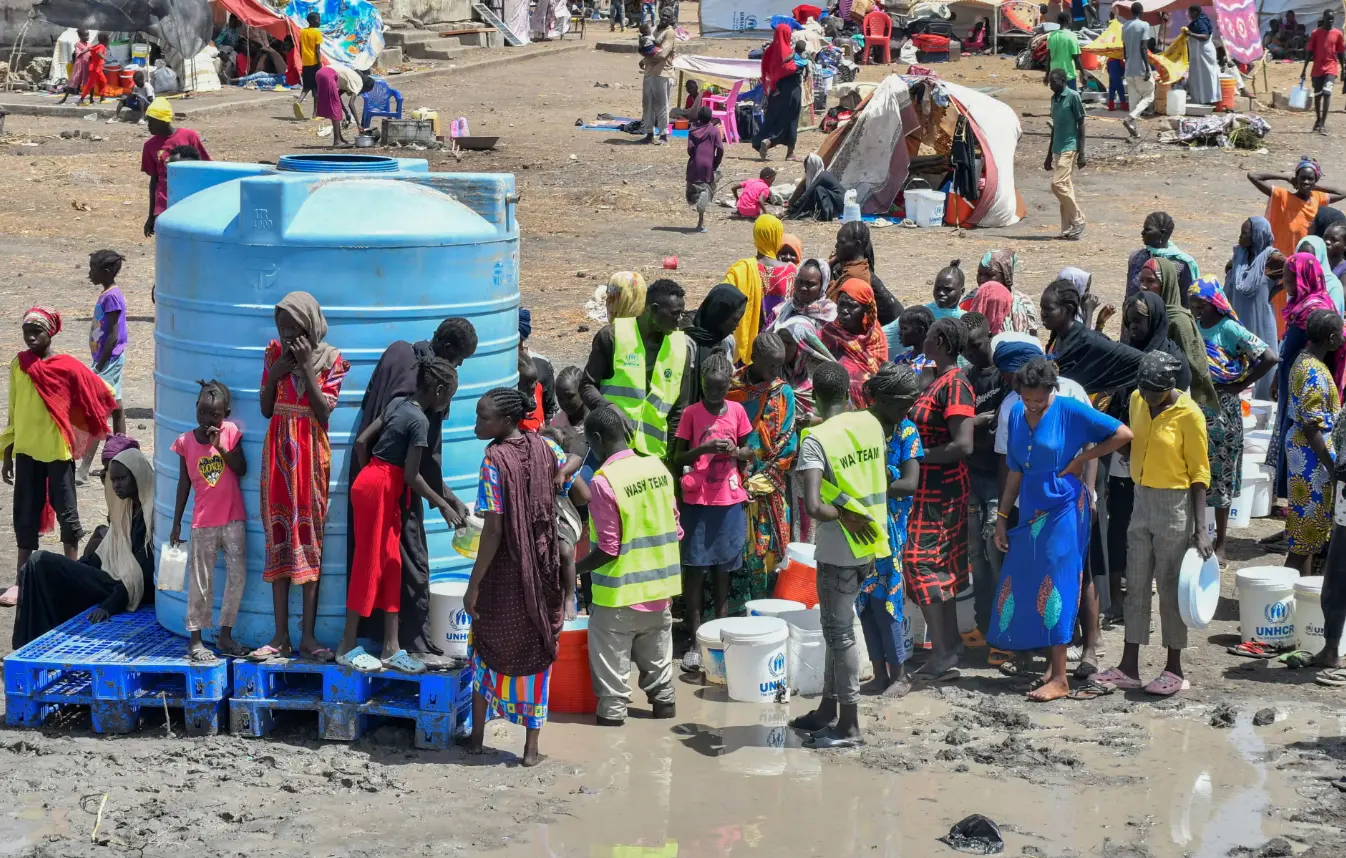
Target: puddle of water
[(730, 779), (27, 824)]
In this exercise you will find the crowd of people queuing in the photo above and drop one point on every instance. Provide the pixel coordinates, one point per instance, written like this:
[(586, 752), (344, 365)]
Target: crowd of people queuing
[(917, 448)]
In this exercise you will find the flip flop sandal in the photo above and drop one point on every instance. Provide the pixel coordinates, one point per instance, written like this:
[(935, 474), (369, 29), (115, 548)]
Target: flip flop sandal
[(1251, 649), (322, 655), (1167, 684), (1334, 677), (1092, 691), (402, 662), (1296, 659), (1085, 670), (998, 657), (1074, 653), (949, 675), (238, 650), (1009, 668), (1113, 676), (267, 653), (1034, 685), (358, 659), (201, 655)]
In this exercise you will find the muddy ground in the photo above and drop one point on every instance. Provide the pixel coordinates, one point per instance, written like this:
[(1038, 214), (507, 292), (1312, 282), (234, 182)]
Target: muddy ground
[(1123, 776)]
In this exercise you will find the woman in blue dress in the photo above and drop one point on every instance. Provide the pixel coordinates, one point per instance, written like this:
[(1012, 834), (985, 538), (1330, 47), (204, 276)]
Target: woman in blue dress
[(1039, 593)]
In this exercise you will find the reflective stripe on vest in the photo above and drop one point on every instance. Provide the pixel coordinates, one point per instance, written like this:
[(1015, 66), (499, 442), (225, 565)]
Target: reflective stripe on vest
[(647, 566), (857, 453), (648, 409)]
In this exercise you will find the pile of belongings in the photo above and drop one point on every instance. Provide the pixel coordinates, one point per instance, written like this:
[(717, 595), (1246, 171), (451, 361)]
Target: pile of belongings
[(1226, 130)]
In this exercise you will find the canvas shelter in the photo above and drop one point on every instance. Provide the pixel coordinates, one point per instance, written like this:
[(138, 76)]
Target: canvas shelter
[(905, 128)]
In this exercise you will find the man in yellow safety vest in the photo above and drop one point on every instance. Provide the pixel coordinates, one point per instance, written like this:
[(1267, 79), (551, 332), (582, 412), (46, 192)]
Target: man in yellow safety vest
[(644, 368), (634, 562), (842, 465)]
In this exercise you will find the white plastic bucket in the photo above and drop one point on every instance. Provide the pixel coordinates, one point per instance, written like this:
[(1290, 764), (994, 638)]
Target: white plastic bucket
[(1256, 490), (1262, 410), (925, 207), (804, 662), (913, 629), (1255, 445), (754, 657), (1267, 604), (712, 650), (772, 607), (450, 626), (1309, 622), (1177, 102)]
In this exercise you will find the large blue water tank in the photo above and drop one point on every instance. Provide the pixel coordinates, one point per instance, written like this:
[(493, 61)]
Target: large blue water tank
[(389, 250)]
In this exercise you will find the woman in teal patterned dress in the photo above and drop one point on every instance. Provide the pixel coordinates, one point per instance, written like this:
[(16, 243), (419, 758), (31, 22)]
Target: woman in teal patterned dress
[(1039, 591), (1314, 402)]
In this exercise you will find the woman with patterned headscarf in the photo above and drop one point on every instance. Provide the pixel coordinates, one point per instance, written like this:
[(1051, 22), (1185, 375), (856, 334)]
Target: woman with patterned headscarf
[(855, 339), (997, 266), (1236, 359), (625, 295), (58, 410)]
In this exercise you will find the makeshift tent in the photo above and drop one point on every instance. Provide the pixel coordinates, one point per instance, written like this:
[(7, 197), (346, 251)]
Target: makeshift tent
[(183, 25), (911, 120), (1170, 66)]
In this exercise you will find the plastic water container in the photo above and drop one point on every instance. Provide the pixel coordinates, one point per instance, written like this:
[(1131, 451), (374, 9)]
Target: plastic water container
[(467, 539), (1299, 97), (772, 607), (1262, 410), (913, 629), (1177, 102), (925, 207), (172, 572), (1256, 494), (450, 626), (754, 658), (389, 250), (804, 663), (712, 650), (1267, 604), (850, 211), (797, 580), (1255, 445), (572, 687), (1229, 91), (1309, 622)]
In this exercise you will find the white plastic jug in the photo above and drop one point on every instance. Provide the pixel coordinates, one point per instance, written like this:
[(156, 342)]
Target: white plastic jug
[(851, 210), (1299, 98), (1177, 102), (172, 568)]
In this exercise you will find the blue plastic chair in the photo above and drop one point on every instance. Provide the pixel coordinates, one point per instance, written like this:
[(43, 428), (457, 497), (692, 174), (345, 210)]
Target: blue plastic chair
[(378, 103)]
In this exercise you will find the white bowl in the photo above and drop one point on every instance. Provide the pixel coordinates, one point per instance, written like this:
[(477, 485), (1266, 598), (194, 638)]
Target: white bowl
[(1198, 589)]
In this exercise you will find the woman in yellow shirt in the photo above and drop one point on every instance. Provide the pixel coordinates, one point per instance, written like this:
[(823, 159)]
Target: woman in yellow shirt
[(1170, 466)]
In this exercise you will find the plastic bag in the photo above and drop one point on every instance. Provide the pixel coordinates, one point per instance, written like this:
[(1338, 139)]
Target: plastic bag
[(976, 835), (1299, 98), (172, 568)]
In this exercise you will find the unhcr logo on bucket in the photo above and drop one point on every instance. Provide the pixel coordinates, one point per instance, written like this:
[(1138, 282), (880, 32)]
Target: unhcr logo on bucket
[(1277, 615), (776, 668), (460, 626)]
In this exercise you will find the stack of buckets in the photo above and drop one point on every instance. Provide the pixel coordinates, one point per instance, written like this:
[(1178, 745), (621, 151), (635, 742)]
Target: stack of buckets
[(1254, 499), (1280, 609)]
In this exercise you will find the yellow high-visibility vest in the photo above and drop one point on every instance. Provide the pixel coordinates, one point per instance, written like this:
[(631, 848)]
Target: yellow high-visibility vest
[(857, 450), (648, 565), (646, 408)]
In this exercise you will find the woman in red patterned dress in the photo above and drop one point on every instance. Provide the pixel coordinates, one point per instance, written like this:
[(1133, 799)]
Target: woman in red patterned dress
[(297, 465), (935, 560)]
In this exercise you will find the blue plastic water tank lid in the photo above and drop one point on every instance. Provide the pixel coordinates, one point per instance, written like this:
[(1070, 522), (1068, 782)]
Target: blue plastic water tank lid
[(338, 163)]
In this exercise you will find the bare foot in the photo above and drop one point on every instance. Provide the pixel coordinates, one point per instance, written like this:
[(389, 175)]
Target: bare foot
[(1049, 691), (1327, 658), (873, 687), (472, 744), (898, 689), (10, 598), (530, 760)]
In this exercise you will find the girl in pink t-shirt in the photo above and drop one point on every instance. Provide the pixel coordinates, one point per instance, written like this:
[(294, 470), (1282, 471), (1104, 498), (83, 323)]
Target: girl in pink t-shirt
[(709, 448), (212, 462)]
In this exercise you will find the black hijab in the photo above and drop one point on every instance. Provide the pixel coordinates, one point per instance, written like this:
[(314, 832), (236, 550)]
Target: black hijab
[(1099, 364), (1159, 339), (719, 306)]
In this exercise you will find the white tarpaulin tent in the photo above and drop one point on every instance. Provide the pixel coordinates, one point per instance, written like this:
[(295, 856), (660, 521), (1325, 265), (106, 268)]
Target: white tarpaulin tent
[(720, 68), (1306, 11), (870, 155)]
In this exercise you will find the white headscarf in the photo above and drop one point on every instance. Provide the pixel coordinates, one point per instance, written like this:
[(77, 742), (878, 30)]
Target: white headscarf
[(115, 551), (813, 168)]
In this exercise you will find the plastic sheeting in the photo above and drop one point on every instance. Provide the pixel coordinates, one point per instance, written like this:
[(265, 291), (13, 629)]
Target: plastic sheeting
[(183, 25), (721, 68), (352, 29)]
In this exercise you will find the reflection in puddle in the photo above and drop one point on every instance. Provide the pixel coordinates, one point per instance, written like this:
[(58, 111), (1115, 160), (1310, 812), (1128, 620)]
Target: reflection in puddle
[(731, 779)]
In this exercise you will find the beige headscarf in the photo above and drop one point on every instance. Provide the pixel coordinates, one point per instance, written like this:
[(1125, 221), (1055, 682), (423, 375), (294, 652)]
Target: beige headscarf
[(115, 551), (625, 295), (304, 309)]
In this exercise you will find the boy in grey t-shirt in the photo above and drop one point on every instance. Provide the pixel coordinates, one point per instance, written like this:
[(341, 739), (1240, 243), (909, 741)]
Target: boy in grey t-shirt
[(1137, 42)]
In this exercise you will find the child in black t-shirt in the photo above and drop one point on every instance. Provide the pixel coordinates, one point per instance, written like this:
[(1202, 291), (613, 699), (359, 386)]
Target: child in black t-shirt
[(390, 452)]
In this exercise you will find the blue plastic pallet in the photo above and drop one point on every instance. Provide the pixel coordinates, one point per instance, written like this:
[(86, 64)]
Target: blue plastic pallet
[(346, 700), (118, 669)]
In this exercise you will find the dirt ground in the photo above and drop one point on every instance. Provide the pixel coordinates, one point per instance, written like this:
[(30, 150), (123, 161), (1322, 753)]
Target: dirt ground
[(1122, 777)]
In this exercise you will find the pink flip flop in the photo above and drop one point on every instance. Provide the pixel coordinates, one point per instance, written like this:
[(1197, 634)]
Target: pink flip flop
[(10, 598), (1167, 684)]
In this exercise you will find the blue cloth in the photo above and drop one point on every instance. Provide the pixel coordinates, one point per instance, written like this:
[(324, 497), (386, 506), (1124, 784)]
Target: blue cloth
[(1039, 591), (1116, 81), (1011, 355), (885, 635), (885, 577), (713, 535)]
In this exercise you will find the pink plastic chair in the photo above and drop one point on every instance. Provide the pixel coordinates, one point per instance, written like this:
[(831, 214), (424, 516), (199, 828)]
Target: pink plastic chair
[(723, 107)]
